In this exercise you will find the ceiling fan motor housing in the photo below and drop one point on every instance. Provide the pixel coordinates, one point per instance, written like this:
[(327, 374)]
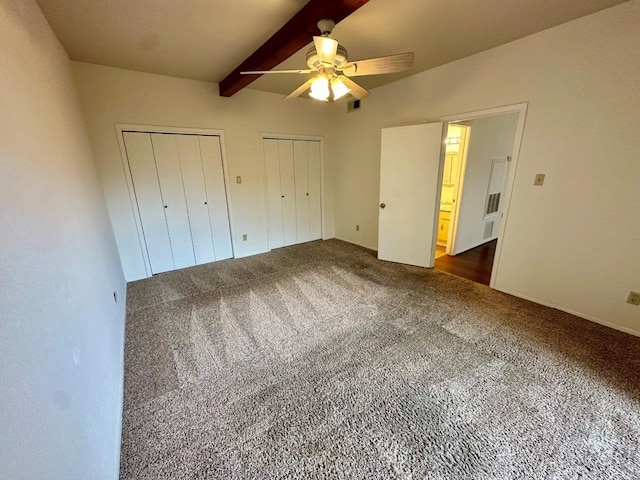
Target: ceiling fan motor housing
[(339, 61)]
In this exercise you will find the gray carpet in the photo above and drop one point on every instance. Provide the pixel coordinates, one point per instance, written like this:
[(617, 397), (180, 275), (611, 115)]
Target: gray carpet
[(319, 361)]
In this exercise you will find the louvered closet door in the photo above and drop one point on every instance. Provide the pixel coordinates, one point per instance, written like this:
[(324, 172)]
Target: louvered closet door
[(144, 176), (165, 148)]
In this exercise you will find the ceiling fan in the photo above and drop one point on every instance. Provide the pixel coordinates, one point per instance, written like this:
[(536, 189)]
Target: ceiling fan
[(329, 60)]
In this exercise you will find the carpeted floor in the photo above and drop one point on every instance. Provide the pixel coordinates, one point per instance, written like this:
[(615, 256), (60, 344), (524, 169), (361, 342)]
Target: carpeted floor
[(319, 361)]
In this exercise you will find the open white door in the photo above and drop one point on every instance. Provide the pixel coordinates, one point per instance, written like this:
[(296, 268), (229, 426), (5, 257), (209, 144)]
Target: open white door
[(410, 179)]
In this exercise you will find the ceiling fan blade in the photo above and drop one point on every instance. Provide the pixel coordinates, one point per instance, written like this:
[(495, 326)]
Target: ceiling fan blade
[(355, 89), (326, 48), (375, 66), (263, 72), (301, 89)]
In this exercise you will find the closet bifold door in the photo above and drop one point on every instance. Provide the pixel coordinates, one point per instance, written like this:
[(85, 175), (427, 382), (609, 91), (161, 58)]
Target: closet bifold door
[(307, 179), (288, 192), (211, 157), (301, 168), (315, 188), (165, 148), (144, 176), (274, 196), (196, 197)]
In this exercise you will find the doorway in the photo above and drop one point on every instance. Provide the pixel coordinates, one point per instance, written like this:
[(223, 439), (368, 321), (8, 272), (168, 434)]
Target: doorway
[(455, 148), (476, 171)]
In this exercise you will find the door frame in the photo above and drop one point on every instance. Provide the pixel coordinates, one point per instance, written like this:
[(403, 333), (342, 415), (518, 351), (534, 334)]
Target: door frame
[(120, 128), (521, 109), (285, 136)]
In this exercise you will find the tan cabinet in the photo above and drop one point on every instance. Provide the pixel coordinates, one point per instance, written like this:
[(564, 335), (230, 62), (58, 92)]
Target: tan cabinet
[(443, 227)]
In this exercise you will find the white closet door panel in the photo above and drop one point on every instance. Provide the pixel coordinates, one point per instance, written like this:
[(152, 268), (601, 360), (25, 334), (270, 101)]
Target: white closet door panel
[(165, 148), (196, 197), (288, 190), (211, 154), (142, 166), (274, 196), (301, 174), (315, 200)]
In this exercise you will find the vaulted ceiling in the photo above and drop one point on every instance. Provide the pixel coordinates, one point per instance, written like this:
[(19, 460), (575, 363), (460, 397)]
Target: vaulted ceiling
[(206, 40)]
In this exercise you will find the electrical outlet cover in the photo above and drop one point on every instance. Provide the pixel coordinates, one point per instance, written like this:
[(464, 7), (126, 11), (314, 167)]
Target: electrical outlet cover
[(633, 298)]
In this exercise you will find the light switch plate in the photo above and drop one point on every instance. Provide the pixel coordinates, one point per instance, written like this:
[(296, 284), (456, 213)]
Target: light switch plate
[(539, 180), (238, 179), (244, 237)]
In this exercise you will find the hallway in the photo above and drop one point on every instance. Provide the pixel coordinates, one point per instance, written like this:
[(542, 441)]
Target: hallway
[(474, 264)]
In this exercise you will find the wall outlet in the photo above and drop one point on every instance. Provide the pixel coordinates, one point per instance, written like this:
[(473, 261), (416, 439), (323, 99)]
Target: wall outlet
[(238, 179), (244, 237), (357, 228), (634, 298), (539, 180)]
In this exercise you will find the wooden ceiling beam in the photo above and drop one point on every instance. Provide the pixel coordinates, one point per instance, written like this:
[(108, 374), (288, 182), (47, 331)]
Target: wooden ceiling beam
[(294, 35)]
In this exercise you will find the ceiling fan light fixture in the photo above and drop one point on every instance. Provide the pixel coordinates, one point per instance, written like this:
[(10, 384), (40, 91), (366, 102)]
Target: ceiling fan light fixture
[(339, 89), (320, 89)]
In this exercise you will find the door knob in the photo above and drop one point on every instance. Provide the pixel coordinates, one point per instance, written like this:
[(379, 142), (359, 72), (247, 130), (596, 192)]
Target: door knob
[(382, 205)]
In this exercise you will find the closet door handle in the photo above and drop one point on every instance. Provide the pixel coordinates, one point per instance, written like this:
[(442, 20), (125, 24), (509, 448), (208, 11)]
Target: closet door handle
[(382, 205), (307, 194), (282, 196), (205, 203)]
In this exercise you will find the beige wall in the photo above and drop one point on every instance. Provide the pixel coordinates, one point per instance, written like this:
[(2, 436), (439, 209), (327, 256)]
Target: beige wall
[(572, 243), (61, 333), (111, 95)]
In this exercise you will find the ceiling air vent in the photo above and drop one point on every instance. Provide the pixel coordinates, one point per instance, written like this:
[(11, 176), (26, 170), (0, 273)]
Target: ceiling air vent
[(353, 105)]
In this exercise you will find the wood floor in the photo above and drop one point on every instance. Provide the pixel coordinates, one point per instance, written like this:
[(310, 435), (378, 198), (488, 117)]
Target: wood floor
[(474, 264)]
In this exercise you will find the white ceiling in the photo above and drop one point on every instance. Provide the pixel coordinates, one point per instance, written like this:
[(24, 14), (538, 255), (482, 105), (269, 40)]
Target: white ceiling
[(207, 39)]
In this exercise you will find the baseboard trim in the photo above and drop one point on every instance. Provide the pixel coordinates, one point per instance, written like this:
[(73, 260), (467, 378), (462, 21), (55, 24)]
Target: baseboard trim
[(590, 318), (356, 243)]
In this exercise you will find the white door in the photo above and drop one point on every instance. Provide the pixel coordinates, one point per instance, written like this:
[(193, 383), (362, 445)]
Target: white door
[(179, 187), (274, 196), (196, 196), (288, 192), (211, 152), (292, 175), (301, 167), (315, 187), (144, 175), (165, 149), (410, 179)]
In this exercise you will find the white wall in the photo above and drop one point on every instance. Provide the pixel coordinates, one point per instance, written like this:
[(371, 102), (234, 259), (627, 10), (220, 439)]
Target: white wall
[(111, 95), (489, 138), (572, 243), (61, 333)]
